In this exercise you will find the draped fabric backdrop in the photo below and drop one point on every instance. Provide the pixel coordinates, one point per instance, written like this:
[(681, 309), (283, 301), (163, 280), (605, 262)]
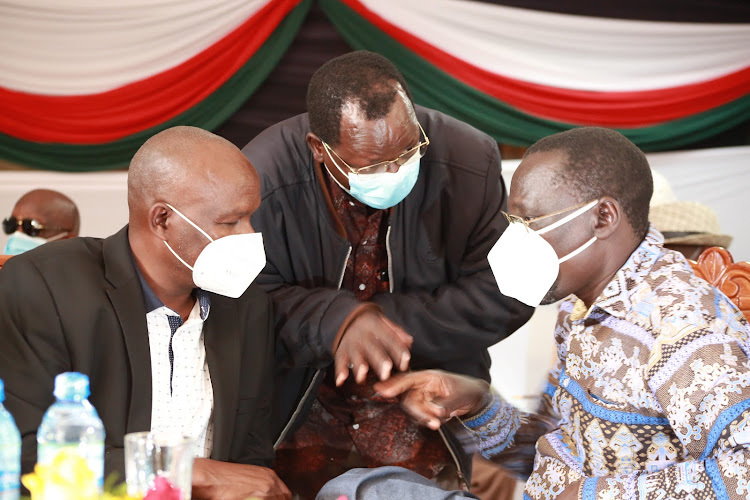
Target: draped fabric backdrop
[(84, 83)]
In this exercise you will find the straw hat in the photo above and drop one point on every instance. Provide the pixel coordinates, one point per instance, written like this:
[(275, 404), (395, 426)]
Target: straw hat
[(688, 223)]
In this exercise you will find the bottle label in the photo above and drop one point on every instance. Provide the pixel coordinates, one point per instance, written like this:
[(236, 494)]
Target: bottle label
[(10, 469), (92, 452)]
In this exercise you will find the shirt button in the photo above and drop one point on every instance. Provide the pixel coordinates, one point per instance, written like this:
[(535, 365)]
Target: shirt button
[(351, 203), (355, 426), (362, 286)]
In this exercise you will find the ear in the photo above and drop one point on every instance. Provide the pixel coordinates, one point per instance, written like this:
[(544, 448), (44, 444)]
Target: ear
[(316, 147), (159, 219), (608, 217)]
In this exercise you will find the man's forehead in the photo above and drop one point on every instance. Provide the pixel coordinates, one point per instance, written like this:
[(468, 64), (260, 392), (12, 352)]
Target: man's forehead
[(537, 186), (28, 208)]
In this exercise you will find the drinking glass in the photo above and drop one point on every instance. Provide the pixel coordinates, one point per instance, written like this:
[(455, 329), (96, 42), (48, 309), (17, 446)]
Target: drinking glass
[(153, 462)]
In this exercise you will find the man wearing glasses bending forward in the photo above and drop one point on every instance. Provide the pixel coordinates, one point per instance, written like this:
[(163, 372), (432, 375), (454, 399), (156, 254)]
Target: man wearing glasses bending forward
[(377, 216)]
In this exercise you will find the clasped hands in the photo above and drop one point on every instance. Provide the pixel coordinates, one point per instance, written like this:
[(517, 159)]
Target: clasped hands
[(373, 342)]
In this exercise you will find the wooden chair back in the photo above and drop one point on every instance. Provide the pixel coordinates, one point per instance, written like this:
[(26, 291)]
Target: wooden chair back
[(4, 258), (716, 266)]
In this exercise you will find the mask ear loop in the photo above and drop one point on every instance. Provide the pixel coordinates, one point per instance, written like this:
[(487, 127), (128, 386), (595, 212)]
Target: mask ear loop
[(58, 236), (328, 151), (576, 252), (567, 218), (192, 224)]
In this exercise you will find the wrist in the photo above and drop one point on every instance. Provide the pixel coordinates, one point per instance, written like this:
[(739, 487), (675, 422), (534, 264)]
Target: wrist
[(483, 411)]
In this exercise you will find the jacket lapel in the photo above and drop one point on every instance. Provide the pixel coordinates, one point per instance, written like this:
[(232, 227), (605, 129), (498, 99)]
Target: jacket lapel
[(221, 337), (127, 300)]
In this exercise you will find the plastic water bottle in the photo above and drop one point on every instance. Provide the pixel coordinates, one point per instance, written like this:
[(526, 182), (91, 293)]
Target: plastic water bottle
[(71, 423), (10, 453)]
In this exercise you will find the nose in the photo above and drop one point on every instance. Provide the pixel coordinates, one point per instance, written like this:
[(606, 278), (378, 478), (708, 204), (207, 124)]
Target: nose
[(392, 167)]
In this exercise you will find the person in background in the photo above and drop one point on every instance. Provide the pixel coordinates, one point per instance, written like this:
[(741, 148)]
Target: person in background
[(161, 317), (377, 217), (688, 227), (40, 216), (651, 392)]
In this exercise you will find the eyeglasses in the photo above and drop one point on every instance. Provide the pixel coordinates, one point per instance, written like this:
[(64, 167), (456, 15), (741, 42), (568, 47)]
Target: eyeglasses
[(381, 167), (31, 227), (528, 220)]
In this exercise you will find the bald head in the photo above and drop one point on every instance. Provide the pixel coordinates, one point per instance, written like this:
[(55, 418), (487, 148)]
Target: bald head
[(52, 209), (182, 161)]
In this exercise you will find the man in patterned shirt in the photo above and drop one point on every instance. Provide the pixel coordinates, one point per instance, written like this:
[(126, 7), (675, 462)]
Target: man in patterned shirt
[(652, 385)]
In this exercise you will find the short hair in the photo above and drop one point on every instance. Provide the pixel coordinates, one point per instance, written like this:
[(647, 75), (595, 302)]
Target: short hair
[(361, 76), (603, 162)]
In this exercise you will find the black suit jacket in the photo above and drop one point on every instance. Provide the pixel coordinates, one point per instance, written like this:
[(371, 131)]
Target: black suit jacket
[(77, 305)]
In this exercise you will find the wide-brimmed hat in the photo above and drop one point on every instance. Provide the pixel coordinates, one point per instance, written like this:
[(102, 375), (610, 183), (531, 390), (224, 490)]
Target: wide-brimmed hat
[(688, 223)]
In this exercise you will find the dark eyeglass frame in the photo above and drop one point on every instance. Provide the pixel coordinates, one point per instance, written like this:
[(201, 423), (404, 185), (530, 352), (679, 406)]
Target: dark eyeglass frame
[(31, 227), (382, 166)]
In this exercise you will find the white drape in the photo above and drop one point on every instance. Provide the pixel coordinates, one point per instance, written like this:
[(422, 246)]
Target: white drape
[(79, 47), (569, 51)]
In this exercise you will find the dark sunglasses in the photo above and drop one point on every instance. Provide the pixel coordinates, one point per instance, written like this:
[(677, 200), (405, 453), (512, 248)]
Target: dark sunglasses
[(29, 226)]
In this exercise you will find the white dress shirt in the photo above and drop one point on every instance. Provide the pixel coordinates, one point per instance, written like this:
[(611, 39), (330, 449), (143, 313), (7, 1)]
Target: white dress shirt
[(182, 397)]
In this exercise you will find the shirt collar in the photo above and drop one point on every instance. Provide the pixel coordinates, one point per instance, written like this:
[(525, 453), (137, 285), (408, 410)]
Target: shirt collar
[(617, 298), (152, 302)]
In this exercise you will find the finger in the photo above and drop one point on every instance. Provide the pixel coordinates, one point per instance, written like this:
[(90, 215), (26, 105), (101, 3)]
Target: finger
[(342, 364), (359, 366), (404, 337), (424, 411), (377, 357), (397, 384), (399, 350)]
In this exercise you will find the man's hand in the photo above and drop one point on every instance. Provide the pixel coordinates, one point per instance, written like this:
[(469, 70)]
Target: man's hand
[(371, 341), (433, 397), (214, 480)]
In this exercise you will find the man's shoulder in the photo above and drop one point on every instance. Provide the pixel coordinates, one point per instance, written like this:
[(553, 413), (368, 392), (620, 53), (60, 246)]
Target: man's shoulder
[(456, 144), (79, 262), (59, 254), (280, 154), (677, 301)]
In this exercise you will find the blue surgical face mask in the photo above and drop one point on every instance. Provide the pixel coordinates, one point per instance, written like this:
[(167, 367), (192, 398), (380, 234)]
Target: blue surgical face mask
[(20, 242), (381, 190)]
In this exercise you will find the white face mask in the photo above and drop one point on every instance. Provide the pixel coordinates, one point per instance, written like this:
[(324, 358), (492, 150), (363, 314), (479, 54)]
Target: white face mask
[(381, 190), (228, 265), (525, 265)]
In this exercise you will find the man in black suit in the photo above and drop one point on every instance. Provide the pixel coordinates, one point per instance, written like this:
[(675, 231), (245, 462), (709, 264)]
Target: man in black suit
[(101, 307)]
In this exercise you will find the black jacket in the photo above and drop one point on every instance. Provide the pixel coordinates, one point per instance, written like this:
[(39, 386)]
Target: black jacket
[(77, 305), (443, 292)]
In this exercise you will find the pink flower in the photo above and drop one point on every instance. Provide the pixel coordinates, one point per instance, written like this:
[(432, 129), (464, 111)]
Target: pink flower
[(163, 490)]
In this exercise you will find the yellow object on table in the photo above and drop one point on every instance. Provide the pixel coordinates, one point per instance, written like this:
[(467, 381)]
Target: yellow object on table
[(68, 477)]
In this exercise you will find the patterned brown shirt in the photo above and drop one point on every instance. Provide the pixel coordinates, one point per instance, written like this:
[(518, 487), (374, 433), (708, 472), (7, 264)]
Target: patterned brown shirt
[(652, 390)]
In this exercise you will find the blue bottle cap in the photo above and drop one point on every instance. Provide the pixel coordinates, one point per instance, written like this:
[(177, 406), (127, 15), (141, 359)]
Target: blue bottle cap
[(71, 386), (2, 391)]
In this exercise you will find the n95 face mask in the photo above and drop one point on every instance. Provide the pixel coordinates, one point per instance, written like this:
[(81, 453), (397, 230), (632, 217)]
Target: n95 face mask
[(227, 265), (525, 265)]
